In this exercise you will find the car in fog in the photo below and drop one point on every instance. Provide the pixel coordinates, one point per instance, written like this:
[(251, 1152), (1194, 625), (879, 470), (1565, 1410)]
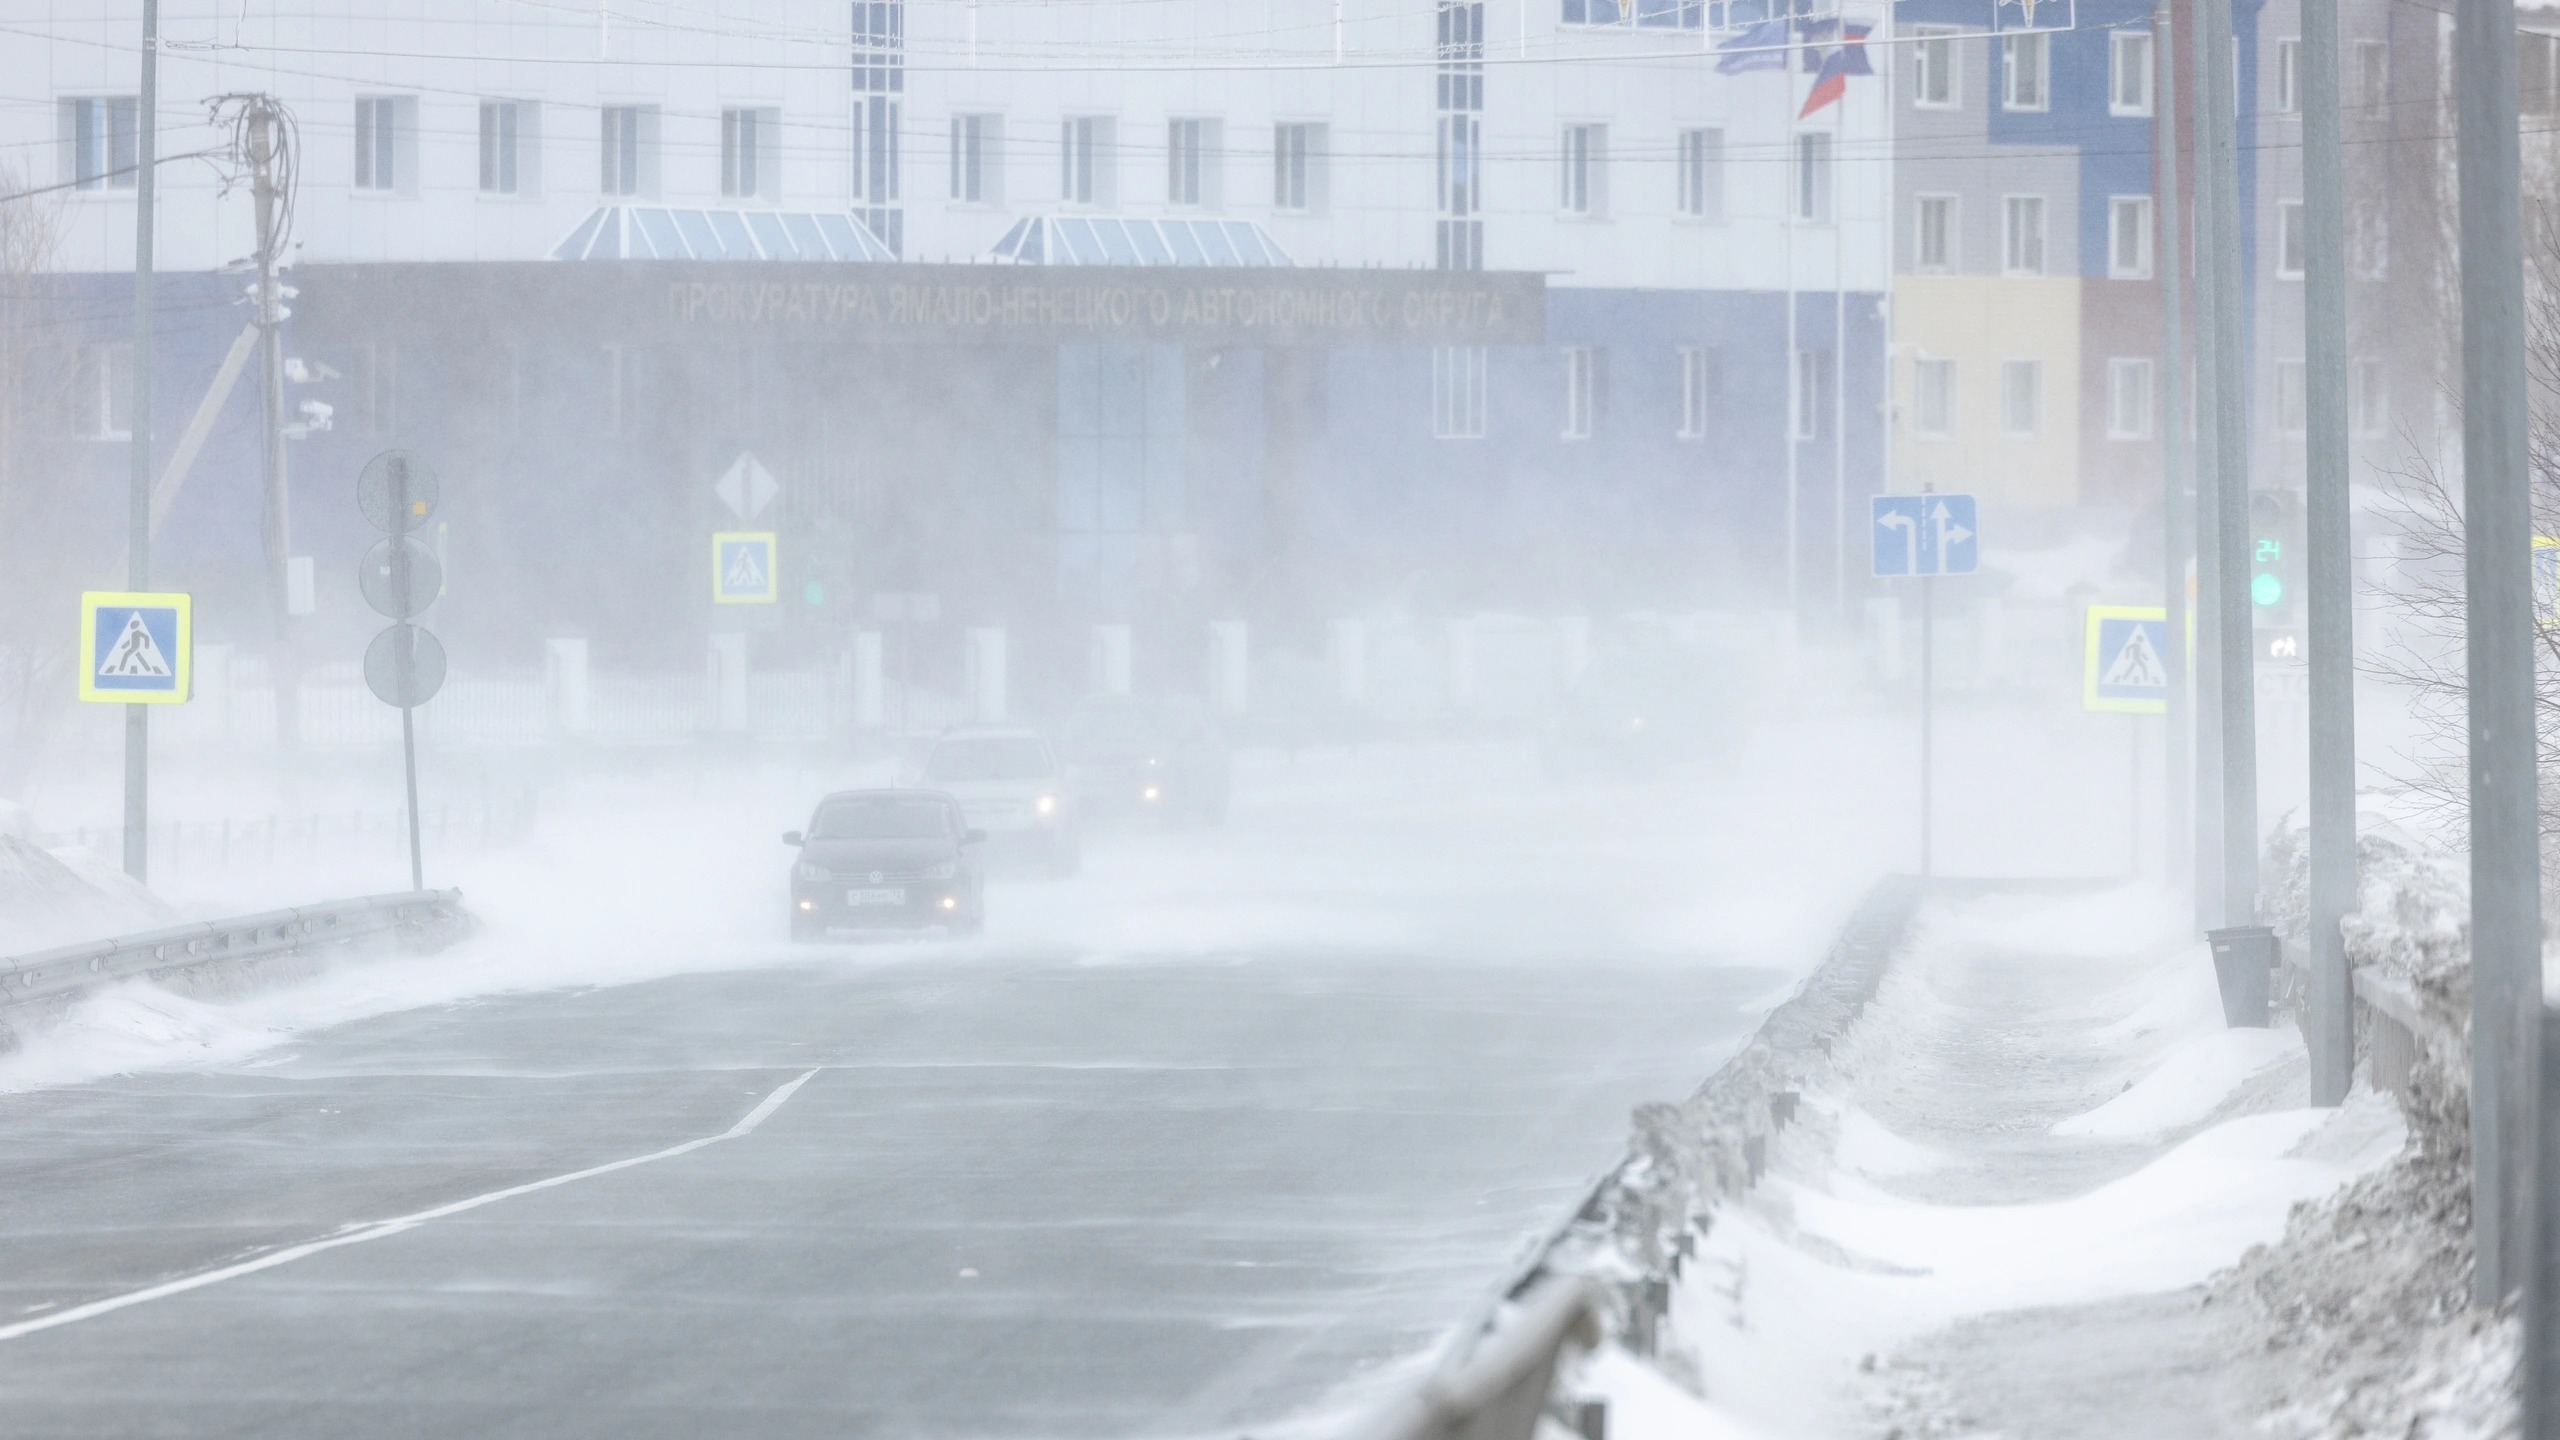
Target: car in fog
[(1639, 712), (1010, 785), (1146, 758), (886, 858)]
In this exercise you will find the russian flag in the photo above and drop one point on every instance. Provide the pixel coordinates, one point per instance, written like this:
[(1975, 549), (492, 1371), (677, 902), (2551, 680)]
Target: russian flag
[(1833, 81)]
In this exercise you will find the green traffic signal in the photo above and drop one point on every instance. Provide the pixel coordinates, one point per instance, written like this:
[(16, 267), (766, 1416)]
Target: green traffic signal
[(2266, 589)]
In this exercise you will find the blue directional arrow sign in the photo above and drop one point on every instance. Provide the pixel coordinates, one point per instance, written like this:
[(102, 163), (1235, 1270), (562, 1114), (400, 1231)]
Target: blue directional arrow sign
[(1924, 535)]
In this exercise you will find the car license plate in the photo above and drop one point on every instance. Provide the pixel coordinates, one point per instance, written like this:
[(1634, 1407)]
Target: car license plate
[(875, 897)]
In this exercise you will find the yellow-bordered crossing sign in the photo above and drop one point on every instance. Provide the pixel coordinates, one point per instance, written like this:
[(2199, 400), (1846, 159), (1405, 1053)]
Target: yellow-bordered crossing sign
[(136, 648), (742, 568), (2127, 667)]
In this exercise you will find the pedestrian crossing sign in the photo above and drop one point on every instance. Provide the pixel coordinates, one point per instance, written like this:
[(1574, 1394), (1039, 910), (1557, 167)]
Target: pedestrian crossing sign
[(2127, 668), (742, 569), (135, 648)]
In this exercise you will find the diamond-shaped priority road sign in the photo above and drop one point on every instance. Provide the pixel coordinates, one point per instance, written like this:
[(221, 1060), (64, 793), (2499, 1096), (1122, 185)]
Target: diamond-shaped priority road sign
[(746, 487), (136, 648), (1923, 535)]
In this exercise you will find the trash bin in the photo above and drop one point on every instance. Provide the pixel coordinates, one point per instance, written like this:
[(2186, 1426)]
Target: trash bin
[(2244, 962)]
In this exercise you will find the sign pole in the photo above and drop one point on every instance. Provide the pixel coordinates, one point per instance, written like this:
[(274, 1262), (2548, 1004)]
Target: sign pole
[(404, 657), (137, 718), (1928, 706)]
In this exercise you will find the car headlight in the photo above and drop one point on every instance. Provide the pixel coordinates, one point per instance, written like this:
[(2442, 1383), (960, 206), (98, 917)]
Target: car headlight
[(1046, 804), (808, 871), (943, 871)]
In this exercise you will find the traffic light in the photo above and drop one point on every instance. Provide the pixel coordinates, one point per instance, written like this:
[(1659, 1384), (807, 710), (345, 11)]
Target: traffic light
[(2275, 558)]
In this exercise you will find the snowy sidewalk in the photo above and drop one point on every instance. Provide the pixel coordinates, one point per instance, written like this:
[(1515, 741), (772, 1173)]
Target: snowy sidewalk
[(1996, 1211)]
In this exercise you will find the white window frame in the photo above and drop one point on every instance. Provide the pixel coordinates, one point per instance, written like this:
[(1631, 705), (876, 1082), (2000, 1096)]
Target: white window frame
[(510, 148), (1933, 397), (2015, 242), (1192, 150), (1949, 213), (2137, 265), (2136, 44), (1699, 189), (2131, 398), (878, 154), (1582, 173), (1457, 392), (2290, 399), (2288, 77), (2014, 425), (2290, 238), (1937, 68), (627, 151), (386, 138), (1815, 177), (1701, 376), (2038, 95), (750, 157), (1088, 162), (100, 140), (977, 160), (1298, 169)]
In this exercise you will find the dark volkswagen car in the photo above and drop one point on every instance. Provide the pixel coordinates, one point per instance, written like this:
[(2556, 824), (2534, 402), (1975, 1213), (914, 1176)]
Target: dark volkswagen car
[(1147, 758), (886, 857)]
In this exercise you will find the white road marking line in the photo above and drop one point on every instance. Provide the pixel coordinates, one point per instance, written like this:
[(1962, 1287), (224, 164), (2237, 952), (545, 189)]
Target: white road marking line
[(384, 1229)]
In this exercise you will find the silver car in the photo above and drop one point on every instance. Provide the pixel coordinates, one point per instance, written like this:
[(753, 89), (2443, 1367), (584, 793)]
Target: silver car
[(1010, 785)]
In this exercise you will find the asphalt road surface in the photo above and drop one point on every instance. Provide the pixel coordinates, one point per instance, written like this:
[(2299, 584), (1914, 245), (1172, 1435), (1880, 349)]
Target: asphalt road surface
[(983, 1192)]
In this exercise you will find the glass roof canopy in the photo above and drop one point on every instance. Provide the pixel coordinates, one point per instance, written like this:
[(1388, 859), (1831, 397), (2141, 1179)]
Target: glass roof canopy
[(1118, 240), (655, 232)]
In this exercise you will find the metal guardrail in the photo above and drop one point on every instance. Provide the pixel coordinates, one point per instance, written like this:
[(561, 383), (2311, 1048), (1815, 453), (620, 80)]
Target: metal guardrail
[(64, 969), (1497, 1390)]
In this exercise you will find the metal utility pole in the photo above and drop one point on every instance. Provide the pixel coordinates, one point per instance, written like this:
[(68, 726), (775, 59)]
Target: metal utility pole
[(271, 164), (2204, 453), (2497, 514), (2218, 170), (137, 722), (2175, 522), (2331, 1029)]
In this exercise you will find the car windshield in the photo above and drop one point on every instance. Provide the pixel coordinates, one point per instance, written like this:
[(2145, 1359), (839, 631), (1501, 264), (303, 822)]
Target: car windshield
[(882, 817), (991, 757)]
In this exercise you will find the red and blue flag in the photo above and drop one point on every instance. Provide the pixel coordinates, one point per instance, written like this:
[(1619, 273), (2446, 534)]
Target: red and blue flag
[(1833, 80)]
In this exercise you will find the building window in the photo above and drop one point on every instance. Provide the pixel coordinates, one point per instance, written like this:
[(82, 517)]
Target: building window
[(2292, 397), (2129, 398), (1457, 392), (879, 70), (378, 392), (2129, 237), (2288, 77), (384, 143), (2368, 398), (749, 151), (1701, 194), (1813, 177), (1459, 237), (2021, 398), (1701, 386), (1933, 247), (1663, 14), (2023, 75), (1933, 69), (1812, 397), (2129, 73), (2537, 73), (106, 394), (1933, 399), (1584, 187), (100, 145), (1085, 162), (1297, 167), (1581, 390), (2022, 235), (977, 159), (2289, 240), (2373, 74), (510, 147), (1191, 164), (629, 152)]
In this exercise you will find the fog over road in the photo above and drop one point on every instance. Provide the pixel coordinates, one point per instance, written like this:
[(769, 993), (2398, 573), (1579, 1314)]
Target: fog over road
[(1226, 1134)]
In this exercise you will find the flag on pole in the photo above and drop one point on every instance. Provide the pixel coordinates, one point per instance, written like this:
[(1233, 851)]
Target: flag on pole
[(1762, 47), (1833, 81)]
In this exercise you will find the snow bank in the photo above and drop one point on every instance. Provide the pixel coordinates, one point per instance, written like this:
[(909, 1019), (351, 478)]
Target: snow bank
[(2194, 1081)]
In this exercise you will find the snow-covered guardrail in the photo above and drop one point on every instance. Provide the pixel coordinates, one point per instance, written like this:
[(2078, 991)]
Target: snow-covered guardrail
[(425, 916), (1498, 1390)]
